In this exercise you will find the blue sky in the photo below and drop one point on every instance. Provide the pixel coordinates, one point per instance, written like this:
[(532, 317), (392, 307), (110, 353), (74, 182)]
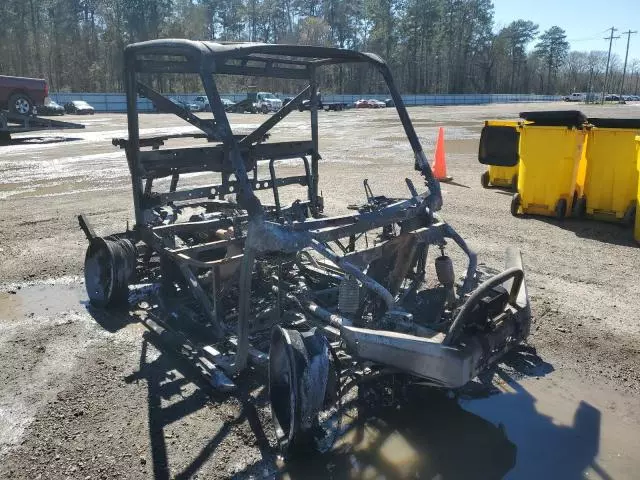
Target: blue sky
[(585, 21)]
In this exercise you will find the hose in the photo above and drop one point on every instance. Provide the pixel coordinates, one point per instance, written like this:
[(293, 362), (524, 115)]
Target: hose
[(456, 327)]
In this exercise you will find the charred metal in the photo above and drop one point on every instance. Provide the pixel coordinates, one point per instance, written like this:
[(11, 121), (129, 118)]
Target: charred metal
[(279, 286)]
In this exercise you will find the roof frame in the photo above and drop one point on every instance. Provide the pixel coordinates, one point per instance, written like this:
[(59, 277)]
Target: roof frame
[(214, 57)]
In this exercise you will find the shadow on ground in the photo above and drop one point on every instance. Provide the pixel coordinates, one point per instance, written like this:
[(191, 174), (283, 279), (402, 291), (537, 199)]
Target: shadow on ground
[(491, 430), (613, 233), (35, 140), (162, 382), (606, 232)]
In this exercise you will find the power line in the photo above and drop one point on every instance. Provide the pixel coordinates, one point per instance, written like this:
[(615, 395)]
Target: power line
[(584, 39), (626, 57), (606, 72)]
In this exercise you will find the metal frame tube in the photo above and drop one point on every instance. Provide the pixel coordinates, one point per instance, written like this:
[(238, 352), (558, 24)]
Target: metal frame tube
[(133, 146), (315, 156)]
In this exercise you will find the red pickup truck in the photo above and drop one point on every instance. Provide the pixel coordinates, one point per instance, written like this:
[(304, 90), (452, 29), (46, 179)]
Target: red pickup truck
[(21, 95)]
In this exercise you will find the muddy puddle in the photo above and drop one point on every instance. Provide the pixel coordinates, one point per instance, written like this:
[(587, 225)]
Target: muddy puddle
[(19, 302), (531, 428), (535, 422)]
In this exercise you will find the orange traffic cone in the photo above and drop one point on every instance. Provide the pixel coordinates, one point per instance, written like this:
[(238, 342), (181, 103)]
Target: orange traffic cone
[(439, 166)]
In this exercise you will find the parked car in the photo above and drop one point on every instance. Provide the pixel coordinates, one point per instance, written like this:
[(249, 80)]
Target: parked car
[(21, 95), (575, 97), (193, 107), (362, 103), (228, 104), (79, 107), (612, 97), (50, 108), (267, 102), (375, 103), (203, 103), (389, 102), (329, 106)]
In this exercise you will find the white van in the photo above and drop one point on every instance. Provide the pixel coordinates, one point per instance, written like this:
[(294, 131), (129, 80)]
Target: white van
[(576, 97)]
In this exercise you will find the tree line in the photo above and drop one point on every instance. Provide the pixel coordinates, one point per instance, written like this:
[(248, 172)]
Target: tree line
[(432, 46)]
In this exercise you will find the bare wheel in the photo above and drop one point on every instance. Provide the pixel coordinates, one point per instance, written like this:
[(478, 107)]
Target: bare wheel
[(108, 266), (20, 103), (298, 375)]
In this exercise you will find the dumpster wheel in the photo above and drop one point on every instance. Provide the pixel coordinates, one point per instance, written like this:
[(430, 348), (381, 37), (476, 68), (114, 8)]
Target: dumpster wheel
[(561, 208), (515, 204), (514, 183), (484, 180), (629, 216), (580, 207)]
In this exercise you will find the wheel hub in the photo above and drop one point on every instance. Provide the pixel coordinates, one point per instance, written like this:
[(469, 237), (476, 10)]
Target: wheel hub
[(22, 106)]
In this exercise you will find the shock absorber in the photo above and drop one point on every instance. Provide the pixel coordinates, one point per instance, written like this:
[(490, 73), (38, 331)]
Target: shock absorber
[(446, 275)]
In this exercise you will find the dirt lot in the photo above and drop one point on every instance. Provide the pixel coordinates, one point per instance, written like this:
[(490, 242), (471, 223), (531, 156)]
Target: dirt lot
[(86, 395)]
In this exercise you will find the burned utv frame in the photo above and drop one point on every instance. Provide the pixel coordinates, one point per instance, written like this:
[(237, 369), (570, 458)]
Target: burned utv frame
[(282, 287)]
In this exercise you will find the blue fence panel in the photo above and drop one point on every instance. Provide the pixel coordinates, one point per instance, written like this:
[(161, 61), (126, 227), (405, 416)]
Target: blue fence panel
[(116, 102)]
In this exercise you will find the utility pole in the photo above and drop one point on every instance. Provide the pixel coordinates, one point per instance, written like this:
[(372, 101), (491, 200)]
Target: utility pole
[(589, 96), (606, 71), (626, 56)]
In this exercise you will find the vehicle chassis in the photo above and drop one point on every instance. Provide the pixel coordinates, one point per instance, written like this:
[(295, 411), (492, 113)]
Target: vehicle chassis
[(285, 288)]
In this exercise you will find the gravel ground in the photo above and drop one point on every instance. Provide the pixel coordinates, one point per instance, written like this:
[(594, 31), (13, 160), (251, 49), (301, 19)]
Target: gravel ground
[(86, 395)]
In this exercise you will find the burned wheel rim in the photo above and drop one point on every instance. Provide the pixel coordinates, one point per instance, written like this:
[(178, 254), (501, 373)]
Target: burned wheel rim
[(108, 267), (298, 377), (283, 390)]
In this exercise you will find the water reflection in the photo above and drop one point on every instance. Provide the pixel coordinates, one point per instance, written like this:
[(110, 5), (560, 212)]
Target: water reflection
[(547, 448), (494, 432), (430, 437)]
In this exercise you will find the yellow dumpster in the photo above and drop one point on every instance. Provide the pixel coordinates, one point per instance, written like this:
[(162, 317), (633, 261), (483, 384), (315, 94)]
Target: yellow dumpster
[(611, 178), (636, 230), (499, 144), (495, 176), (551, 149)]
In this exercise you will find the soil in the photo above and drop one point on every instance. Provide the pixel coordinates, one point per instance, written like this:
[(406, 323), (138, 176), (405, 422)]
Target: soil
[(93, 395)]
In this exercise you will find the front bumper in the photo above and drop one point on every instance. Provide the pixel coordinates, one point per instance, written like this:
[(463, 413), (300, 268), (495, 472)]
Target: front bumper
[(430, 358)]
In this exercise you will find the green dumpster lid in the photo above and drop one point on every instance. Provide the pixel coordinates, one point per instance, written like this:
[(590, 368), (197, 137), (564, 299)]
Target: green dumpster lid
[(630, 123), (556, 118)]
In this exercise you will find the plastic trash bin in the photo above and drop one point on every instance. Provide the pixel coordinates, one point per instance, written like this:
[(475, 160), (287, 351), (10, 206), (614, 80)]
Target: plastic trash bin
[(636, 230), (499, 145), (551, 149), (611, 177)]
